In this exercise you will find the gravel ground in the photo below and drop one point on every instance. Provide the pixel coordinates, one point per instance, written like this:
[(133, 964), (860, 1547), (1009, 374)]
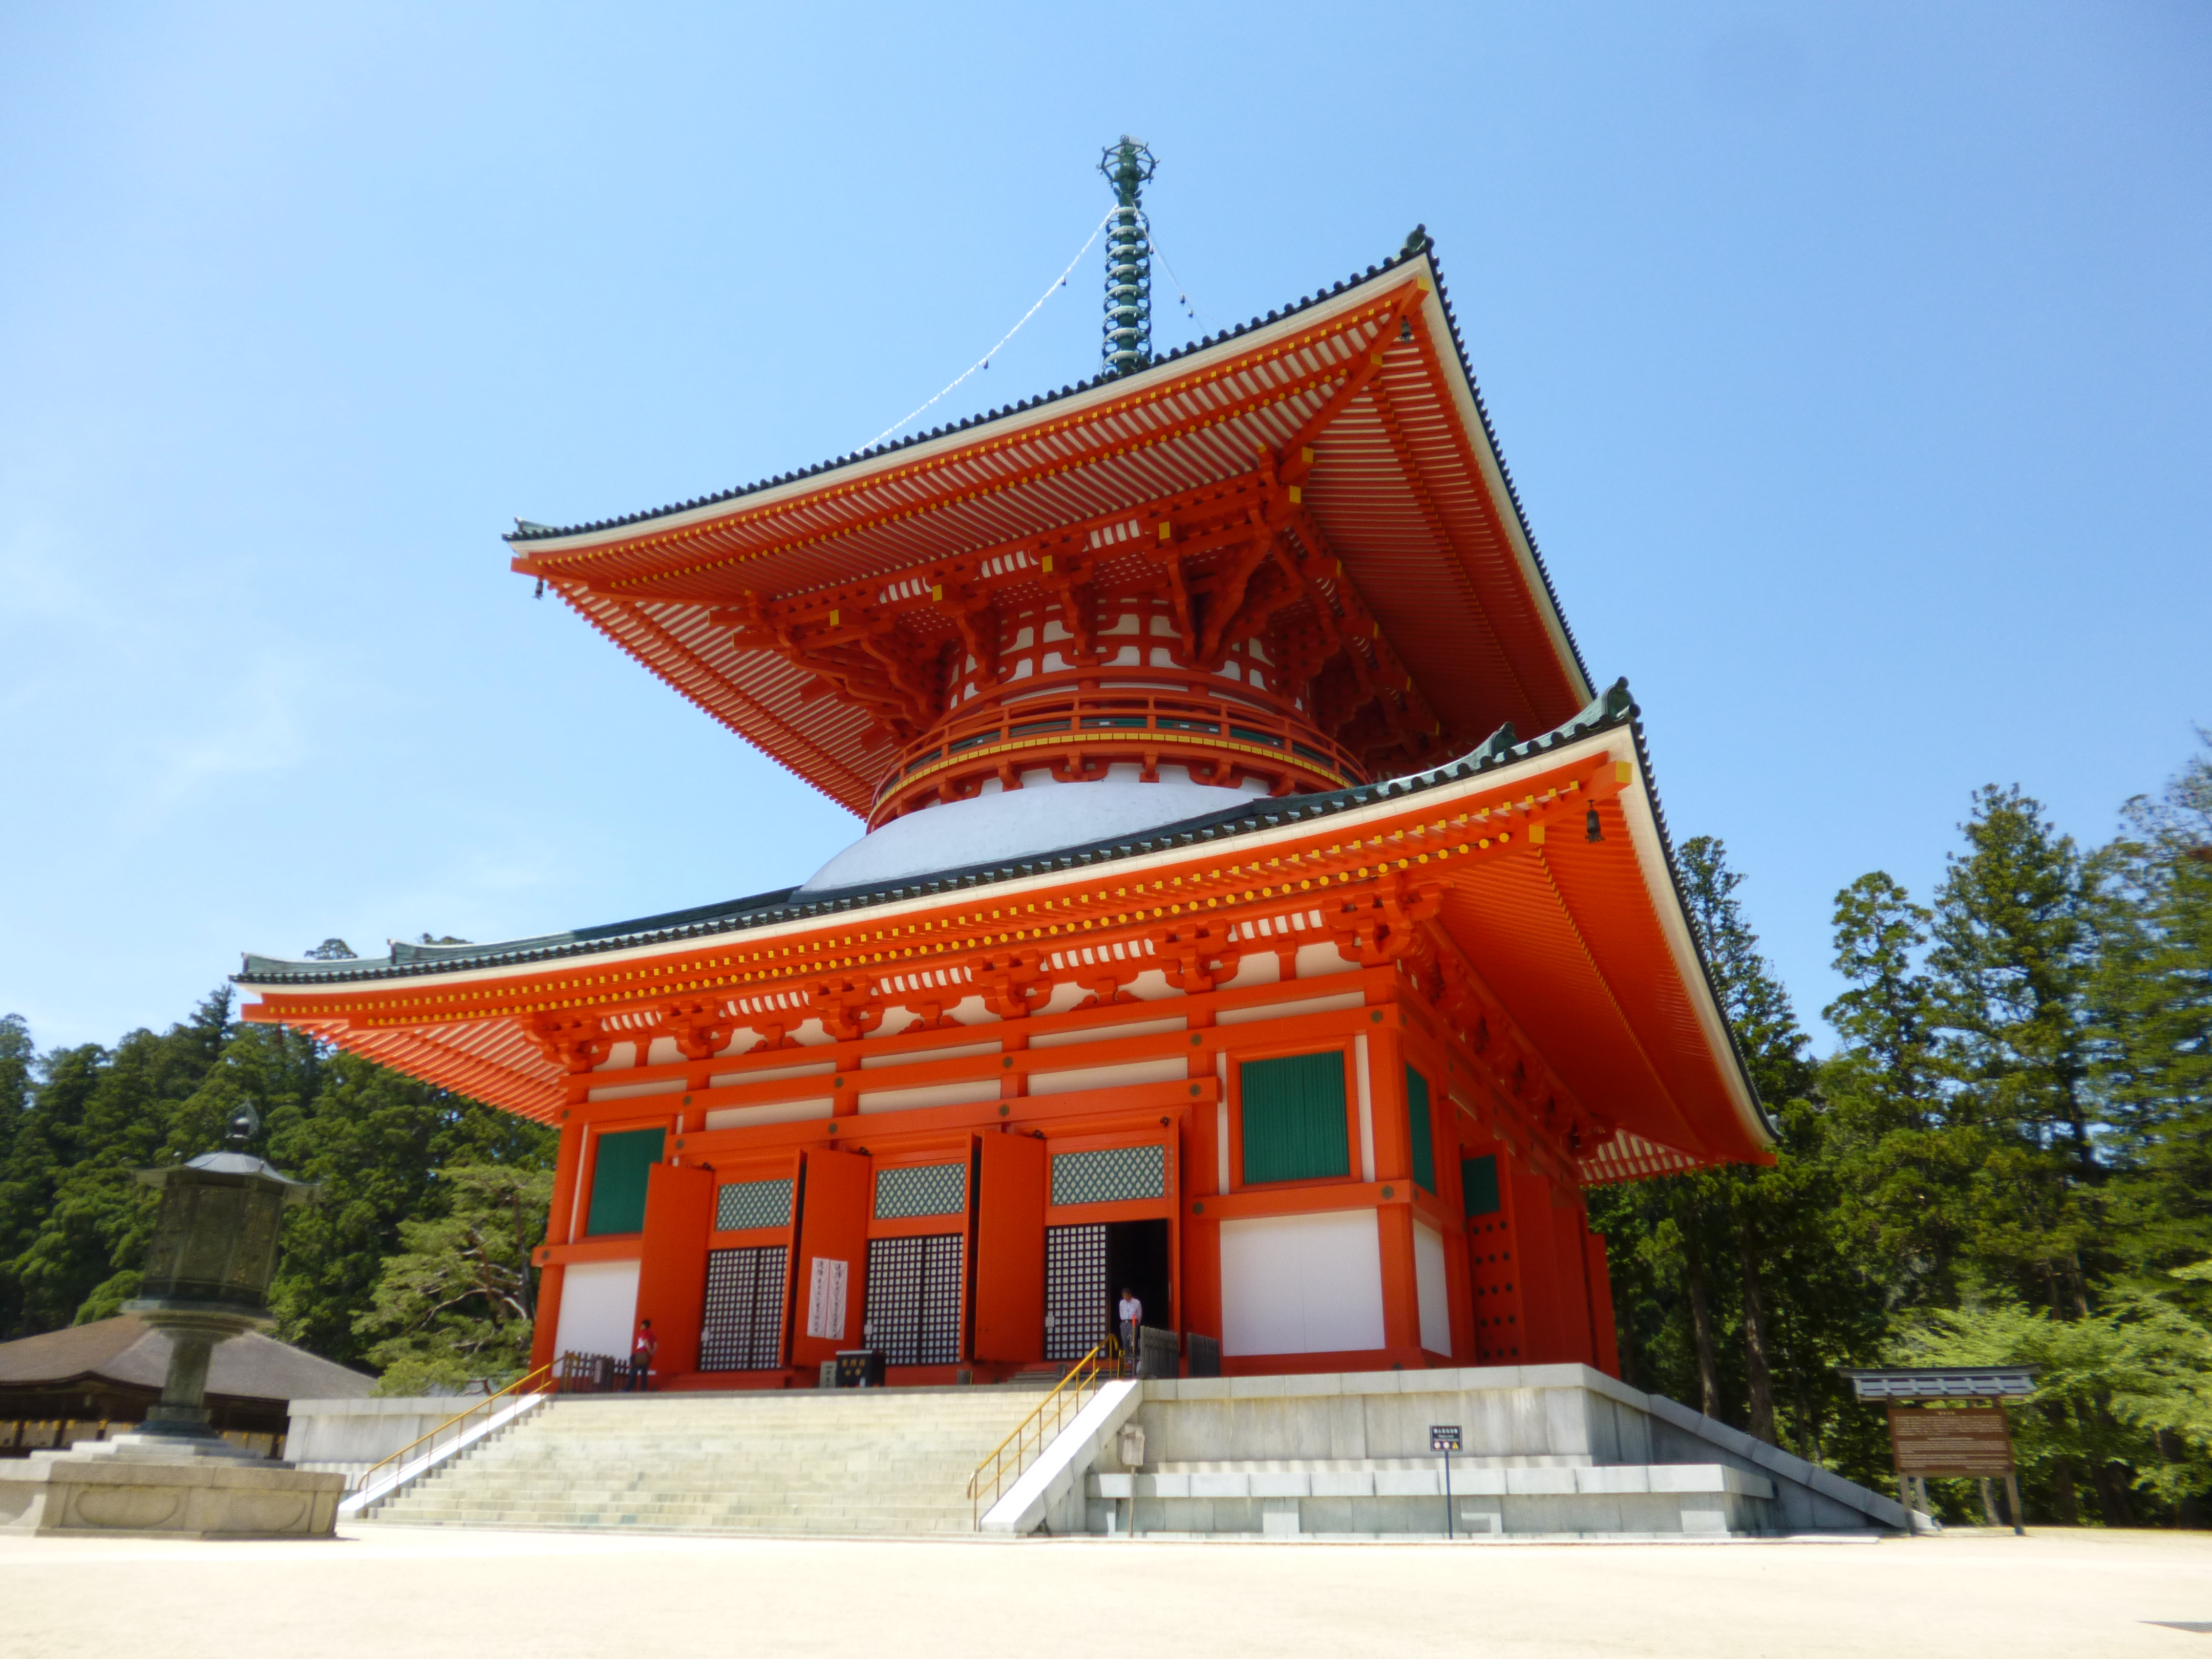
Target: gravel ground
[(423, 1593)]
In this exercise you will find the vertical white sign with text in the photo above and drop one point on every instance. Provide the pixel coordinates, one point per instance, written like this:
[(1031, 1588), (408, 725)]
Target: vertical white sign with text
[(825, 1300)]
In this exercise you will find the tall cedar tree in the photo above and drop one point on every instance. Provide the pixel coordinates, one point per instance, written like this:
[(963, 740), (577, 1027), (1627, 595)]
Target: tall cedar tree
[(2011, 964), (2151, 1022), (1906, 1167)]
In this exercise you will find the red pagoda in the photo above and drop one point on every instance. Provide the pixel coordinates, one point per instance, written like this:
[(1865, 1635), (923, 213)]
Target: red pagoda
[(1259, 906)]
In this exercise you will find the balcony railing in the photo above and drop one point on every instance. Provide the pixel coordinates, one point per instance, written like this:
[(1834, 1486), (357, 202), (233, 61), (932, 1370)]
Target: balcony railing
[(1170, 727)]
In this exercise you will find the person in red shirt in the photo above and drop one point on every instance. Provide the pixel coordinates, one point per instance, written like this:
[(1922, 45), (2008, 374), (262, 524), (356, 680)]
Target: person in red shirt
[(642, 1347)]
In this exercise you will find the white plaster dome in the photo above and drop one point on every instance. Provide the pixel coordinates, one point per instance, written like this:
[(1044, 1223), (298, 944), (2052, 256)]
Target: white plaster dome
[(1042, 817)]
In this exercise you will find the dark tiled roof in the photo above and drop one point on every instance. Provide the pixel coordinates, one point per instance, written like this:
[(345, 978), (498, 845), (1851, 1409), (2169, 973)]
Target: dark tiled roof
[(1418, 244), (126, 1350), (1613, 708)]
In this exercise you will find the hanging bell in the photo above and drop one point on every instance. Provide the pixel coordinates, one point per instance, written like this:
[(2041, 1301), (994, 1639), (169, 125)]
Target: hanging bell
[(1592, 829)]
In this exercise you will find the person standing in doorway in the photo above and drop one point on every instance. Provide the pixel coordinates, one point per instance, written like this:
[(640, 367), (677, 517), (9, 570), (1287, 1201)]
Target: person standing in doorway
[(1131, 1313), (642, 1347)]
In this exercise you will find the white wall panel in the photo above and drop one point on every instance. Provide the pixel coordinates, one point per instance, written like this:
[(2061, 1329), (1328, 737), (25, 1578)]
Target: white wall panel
[(599, 1308), (972, 1092), (1173, 1069), (1430, 1288), (1302, 1283), (781, 1111), (667, 1086)]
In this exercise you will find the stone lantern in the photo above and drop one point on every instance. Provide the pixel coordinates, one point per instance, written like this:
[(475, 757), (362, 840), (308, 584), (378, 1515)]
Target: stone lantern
[(206, 1279), (208, 1268)]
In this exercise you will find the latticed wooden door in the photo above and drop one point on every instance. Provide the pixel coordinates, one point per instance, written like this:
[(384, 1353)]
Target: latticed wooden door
[(742, 1329), (914, 1298), (1074, 1290)]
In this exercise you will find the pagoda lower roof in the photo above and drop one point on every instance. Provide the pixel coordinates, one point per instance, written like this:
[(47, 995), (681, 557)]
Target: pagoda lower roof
[(783, 905), (1584, 944), (1357, 402)]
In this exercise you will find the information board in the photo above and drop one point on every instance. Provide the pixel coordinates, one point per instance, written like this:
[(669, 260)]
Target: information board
[(1950, 1440)]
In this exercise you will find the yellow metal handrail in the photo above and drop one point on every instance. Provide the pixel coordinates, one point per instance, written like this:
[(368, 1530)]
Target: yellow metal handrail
[(520, 1385), (1084, 1376)]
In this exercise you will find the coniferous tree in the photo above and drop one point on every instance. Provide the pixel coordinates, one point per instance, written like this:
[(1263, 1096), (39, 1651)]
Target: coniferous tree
[(2011, 964), (26, 1163), (2151, 1018), (455, 1303)]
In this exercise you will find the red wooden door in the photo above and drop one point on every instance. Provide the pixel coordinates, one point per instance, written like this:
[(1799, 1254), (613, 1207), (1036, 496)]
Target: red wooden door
[(828, 1288), (1010, 1248), (671, 1273)]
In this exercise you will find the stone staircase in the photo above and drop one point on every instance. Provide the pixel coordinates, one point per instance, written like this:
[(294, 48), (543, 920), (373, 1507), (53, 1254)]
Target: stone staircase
[(831, 1461)]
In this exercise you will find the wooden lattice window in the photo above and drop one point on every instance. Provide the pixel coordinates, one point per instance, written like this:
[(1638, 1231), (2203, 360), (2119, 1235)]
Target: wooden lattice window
[(1478, 1183), (618, 1173), (1293, 1118), (1420, 1130)]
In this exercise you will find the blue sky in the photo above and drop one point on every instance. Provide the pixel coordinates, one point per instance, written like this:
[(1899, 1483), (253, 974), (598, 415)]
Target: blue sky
[(1854, 362)]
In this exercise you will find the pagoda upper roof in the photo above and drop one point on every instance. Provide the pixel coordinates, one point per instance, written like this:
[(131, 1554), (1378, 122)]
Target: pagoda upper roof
[(1407, 483)]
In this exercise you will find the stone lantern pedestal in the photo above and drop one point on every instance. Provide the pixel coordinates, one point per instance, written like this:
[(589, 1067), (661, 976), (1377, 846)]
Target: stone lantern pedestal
[(206, 1280), (136, 1483)]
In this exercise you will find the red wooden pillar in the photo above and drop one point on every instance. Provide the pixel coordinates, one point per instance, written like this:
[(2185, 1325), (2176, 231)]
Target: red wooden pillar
[(1534, 1254), (560, 1228), (567, 1165), (1602, 1326), (547, 1317), (1578, 1340), (1401, 1294), (1459, 1290), (1394, 1168)]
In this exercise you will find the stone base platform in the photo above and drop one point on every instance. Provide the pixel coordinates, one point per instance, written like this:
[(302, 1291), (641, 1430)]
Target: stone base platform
[(1558, 1451), (150, 1486), (1380, 1497)]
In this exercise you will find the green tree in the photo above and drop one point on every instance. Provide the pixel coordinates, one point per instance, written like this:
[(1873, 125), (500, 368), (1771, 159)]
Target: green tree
[(2010, 963), (1905, 1169), (26, 1163), (73, 1222), (81, 1220), (456, 1302), (2128, 1388), (376, 1142), (2151, 997)]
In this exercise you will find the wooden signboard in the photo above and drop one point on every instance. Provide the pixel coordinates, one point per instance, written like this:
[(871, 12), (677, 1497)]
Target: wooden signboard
[(1969, 1440)]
